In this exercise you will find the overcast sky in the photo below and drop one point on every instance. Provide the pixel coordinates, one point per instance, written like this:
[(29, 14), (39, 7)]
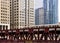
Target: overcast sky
[(39, 3)]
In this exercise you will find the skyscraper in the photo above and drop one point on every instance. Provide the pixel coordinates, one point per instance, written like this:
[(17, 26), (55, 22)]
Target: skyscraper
[(50, 11), (4, 14), (39, 16), (22, 13)]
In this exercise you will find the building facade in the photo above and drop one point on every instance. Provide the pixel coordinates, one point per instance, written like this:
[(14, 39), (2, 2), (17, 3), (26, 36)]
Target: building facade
[(11, 14), (39, 16), (22, 13), (50, 11), (4, 14)]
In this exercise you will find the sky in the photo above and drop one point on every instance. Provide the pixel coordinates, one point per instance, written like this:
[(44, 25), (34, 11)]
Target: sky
[(39, 3)]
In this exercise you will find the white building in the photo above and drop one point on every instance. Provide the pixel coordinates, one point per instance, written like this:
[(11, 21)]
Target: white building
[(22, 13), (4, 14)]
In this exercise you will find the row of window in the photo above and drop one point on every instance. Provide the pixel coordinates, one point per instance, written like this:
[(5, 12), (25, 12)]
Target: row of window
[(4, 17), (4, 8), (3, 14), (16, 0), (4, 2), (4, 22), (16, 3), (4, 11), (5, 5)]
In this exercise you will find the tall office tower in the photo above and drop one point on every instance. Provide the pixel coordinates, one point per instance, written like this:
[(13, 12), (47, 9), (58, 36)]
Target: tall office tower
[(39, 16), (50, 11), (22, 13), (4, 14)]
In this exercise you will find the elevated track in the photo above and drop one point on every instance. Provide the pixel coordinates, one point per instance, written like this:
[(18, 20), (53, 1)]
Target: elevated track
[(34, 34)]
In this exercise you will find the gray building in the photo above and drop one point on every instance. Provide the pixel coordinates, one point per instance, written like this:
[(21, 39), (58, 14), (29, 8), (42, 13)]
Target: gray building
[(39, 16)]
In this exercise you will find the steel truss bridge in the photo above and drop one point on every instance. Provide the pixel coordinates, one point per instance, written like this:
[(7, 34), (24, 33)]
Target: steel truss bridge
[(34, 34)]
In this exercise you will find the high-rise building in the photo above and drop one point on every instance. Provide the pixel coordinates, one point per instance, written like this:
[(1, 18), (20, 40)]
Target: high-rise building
[(50, 11), (4, 14), (22, 13), (39, 16)]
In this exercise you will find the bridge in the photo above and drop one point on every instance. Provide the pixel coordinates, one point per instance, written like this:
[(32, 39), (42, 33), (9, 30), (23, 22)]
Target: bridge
[(33, 34)]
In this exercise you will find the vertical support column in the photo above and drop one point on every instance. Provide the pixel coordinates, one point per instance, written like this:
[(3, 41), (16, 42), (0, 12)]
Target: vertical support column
[(52, 36), (5, 27), (23, 34), (2, 27), (20, 37), (9, 37), (46, 33), (35, 36), (38, 34), (26, 36), (31, 36), (55, 34)]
